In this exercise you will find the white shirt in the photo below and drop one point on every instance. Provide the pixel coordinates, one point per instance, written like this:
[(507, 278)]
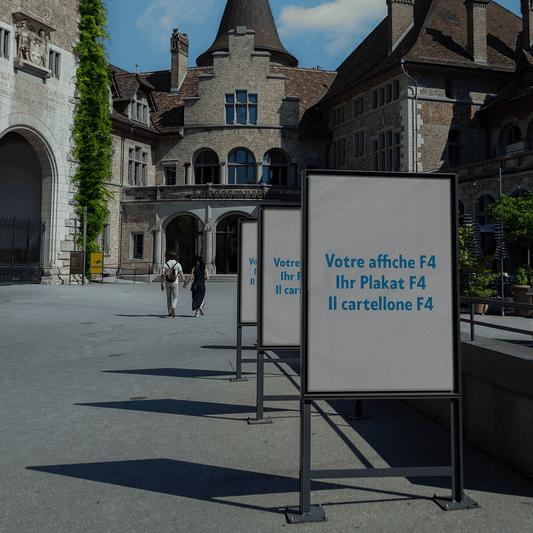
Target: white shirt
[(176, 266)]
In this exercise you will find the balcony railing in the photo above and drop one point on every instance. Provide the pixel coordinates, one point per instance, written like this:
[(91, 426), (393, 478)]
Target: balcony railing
[(213, 192)]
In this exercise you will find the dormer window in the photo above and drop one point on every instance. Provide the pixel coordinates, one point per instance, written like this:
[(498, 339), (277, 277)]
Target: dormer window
[(139, 108), (241, 107)]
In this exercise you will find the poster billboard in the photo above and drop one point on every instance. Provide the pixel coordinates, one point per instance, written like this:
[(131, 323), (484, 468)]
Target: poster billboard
[(97, 263), (248, 264), (279, 306), (380, 272)]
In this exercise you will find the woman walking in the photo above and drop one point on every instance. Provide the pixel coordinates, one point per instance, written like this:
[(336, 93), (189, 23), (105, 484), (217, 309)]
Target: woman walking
[(199, 275)]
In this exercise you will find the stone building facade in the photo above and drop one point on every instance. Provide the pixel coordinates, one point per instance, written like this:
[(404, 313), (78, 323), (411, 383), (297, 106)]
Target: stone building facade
[(440, 86), (198, 147), (37, 100)]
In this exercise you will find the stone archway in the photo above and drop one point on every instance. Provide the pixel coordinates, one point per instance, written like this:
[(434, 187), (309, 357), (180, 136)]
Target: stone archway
[(184, 235)]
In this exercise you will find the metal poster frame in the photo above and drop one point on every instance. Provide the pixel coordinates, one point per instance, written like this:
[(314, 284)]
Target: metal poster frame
[(240, 321), (261, 346), (458, 500)]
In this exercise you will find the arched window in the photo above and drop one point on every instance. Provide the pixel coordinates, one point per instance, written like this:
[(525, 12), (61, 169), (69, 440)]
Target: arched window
[(454, 148), (206, 168), (512, 141), (276, 168), (241, 168)]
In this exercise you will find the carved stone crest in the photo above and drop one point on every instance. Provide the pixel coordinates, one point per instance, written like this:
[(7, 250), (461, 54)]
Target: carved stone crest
[(31, 41)]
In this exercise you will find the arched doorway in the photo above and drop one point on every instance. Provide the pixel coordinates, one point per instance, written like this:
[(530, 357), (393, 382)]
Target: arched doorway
[(20, 178), (184, 236), (21, 228), (227, 254)]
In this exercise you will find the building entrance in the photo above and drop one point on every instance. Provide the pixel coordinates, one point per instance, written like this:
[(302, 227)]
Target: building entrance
[(183, 236), (227, 245)]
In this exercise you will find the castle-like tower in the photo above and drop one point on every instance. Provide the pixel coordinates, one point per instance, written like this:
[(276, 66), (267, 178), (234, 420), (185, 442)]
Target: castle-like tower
[(255, 15)]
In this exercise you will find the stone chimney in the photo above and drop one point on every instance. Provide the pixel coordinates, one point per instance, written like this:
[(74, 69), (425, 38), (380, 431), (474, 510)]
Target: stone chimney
[(527, 21), (476, 20), (400, 19), (179, 48)]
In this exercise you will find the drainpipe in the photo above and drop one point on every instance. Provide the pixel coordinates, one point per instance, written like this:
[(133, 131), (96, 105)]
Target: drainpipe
[(415, 143)]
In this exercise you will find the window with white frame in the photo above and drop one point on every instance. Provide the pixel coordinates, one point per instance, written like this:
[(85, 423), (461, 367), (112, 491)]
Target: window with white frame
[(139, 107), (241, 107), (338, 115), (385, 94), (5, 36), (386, 151), (137, 166), (54, 63), (358, 106), (359, 144), (137, 245), (339, 153)]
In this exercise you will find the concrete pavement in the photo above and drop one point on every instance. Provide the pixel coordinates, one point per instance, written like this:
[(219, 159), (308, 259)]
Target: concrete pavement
[(116, 418)]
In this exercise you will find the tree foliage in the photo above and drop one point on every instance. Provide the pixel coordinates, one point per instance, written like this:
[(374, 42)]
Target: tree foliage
[(517, 212), (92, 128)]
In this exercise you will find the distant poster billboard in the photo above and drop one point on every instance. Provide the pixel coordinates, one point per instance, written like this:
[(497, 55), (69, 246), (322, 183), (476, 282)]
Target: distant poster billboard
[(97, 263), (248, 265), (380, 271), (279, 319)]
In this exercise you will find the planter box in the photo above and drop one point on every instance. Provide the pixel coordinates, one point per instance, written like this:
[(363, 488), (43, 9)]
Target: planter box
[(520, 295)]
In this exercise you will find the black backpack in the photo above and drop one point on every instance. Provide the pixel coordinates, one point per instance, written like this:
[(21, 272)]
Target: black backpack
[(171, 274)]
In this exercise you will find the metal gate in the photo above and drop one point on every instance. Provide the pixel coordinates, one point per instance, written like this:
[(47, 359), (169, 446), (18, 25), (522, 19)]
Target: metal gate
[(20, 251)]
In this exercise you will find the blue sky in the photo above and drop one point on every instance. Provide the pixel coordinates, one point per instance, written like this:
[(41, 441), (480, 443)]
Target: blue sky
[(318, 32)]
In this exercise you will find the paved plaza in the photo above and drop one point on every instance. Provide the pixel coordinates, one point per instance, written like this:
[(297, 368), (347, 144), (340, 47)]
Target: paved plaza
[(117, 418)]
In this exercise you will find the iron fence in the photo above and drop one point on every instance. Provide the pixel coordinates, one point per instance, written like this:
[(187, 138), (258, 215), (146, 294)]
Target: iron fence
[(20, 251)]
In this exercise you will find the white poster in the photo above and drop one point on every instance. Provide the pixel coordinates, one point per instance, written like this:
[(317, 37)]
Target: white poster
[(248, 271), (380, 284), (281, 277)]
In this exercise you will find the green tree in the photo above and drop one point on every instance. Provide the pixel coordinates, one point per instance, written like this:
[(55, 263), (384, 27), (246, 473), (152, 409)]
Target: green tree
[(92, 127), (518, 214)]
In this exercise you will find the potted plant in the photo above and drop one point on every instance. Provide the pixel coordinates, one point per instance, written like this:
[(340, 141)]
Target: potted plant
[(521, 289), (478, 278)]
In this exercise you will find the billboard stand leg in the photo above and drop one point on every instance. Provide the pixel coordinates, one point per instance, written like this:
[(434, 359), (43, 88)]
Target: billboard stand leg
[(260, 391), (359, 414), (459, 499), (238, 371), (305, 512)]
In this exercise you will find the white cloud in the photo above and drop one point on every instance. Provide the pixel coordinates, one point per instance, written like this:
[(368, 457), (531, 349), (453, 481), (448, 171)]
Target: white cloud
[(339, 20), (162, 16)]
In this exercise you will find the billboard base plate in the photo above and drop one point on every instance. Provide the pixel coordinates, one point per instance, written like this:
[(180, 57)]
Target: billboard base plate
[(446, 504), (267, 420), (233, 380), (316, 514)]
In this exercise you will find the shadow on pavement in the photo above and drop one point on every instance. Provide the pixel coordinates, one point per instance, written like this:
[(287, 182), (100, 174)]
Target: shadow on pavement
[(174, 372), (179, 407), (193, 480)]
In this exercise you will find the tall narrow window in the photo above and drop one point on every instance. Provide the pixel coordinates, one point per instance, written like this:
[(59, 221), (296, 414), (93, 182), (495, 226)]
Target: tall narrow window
[(103, 239), (4, 43), (137, 245), (206, 168), (359, 144), (240, 168), (54, 63), (137, 166), (275, 168), (139, 107), (386, 151), (170, 175), (454, 148), (241, 107), (339, 154)]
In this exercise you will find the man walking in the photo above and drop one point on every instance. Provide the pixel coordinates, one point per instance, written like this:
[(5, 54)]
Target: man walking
[(169, 280)]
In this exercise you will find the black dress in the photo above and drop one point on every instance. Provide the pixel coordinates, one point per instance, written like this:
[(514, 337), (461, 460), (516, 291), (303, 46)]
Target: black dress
[(198, 288)]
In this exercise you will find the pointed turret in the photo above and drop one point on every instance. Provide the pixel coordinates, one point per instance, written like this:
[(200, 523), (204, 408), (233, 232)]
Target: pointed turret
[(255, 15)]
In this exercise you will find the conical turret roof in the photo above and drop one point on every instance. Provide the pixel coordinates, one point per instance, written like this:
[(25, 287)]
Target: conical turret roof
[(255, 15)]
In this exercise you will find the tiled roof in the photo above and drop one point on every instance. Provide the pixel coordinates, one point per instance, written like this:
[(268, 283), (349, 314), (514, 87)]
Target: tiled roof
[(308, 85), (434, 40), (255, 15)]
